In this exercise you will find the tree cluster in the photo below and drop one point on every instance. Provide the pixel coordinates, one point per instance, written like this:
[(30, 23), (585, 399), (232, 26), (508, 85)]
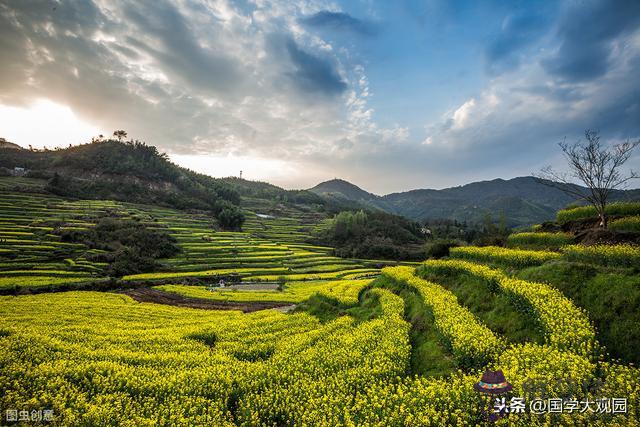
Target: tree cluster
[(130, 246), (373, 234)]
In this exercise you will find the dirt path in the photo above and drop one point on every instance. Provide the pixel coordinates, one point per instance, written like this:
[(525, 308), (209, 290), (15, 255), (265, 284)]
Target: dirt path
[(161, 297)]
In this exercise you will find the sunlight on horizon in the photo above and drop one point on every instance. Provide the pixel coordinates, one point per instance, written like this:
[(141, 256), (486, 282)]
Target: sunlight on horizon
[(44, 123), (253, 168)]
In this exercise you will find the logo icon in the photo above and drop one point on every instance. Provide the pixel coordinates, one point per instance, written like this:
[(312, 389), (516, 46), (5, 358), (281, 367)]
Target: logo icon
[(493, 383)]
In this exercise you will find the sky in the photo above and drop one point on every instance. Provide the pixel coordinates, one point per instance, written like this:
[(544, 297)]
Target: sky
[(390, 95)]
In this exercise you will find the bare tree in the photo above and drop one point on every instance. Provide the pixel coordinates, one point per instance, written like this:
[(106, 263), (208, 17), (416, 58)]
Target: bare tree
[(120, 134), (595, 166)]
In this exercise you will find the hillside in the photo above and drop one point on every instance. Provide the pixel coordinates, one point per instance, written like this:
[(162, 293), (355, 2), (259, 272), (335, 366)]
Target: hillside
[(125, 171), (524, 200)]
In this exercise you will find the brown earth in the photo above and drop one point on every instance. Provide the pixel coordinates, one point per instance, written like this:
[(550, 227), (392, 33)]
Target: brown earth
[(609, 237), (168, 298), (588, 232)]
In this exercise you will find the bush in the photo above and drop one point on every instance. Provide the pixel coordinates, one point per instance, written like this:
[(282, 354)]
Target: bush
[(440, 248), (131, 247), (371, 234), (231, 218)]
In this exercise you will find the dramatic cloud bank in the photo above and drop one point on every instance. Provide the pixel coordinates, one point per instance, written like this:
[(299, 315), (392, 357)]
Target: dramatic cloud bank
[(391, 96)]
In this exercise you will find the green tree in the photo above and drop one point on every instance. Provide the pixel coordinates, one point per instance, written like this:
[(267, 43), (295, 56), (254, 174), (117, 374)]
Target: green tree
[(231, 218)]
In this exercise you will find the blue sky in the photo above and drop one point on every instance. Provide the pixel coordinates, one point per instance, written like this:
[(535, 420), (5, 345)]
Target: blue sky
[(389, 95)]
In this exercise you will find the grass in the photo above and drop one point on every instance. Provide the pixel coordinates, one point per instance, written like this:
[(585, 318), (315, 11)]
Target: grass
[(327, 308), (428, 356), (496, 310), (610, 299)]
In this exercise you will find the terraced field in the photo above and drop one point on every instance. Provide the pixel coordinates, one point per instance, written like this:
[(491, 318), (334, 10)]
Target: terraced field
[(32, 255), (352, 353)]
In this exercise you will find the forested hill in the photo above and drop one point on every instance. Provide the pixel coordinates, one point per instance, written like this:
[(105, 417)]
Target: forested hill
[(133, 171), (126, 171), (523, 200)]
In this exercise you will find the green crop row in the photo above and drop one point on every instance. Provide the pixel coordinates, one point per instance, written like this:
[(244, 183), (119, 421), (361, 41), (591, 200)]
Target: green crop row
[(622, 255), (566, 326), (539, 240), (504, 256), (471, 342)]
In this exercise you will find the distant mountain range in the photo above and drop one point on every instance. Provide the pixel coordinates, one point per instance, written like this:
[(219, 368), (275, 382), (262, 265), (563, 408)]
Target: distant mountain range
[(523, 201)]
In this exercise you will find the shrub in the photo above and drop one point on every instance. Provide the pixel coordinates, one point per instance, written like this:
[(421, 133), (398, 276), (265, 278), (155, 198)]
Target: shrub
[(439, 248), (130, 246), (231, 218)]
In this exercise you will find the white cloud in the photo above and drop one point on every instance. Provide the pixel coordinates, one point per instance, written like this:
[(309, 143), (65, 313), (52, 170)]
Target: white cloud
[(210, 78)]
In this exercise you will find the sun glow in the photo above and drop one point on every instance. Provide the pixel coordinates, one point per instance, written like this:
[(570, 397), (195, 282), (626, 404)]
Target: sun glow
[(253, 168), (44, 123)]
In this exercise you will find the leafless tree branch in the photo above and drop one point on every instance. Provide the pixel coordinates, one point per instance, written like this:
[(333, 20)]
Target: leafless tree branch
[(596, 167)]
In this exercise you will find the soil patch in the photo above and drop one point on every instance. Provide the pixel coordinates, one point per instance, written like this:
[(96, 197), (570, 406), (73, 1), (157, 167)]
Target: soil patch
[(160, 297)]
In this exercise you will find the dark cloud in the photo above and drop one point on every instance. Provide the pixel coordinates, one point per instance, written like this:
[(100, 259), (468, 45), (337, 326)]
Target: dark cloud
[(169, 73), (216, 78), (313, 73), (586, 33), (340, 21), (506, 50), (180, 52)]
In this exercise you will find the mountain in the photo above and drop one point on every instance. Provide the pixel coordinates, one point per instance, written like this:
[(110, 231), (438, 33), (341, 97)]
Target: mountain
[(343, 189), (136, 172), (523, 201)]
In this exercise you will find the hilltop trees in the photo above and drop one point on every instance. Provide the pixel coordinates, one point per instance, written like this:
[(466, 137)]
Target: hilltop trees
[(120, 134), (130, 171), (595, 166)]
